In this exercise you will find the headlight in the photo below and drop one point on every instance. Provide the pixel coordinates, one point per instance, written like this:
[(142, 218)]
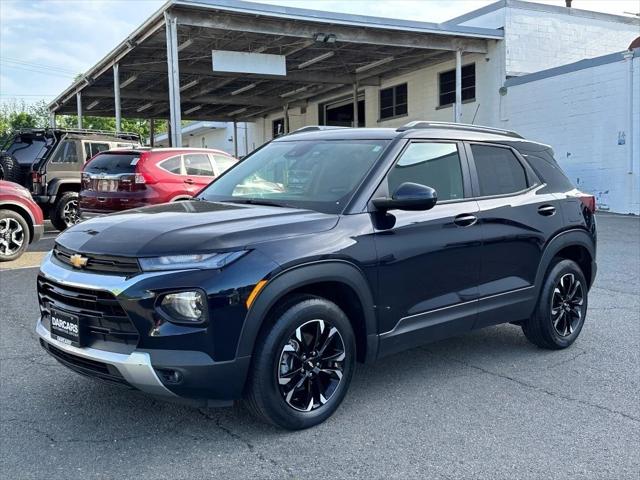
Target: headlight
[(185, 307), (202, 261)]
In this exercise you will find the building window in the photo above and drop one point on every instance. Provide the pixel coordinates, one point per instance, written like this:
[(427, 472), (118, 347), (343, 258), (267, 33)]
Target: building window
[(448, 85), (277, 128), (393, 101)]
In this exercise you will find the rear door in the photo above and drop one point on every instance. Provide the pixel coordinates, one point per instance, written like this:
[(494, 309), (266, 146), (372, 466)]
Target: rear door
[(429, 261), (198, 171), (516, 219), (171, 181)]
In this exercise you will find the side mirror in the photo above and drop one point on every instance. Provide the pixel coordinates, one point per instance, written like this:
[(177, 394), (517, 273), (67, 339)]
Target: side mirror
[(408, 196)]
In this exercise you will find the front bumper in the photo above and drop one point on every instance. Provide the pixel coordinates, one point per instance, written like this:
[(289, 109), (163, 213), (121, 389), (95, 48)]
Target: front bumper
[(135, 368), (206, 374)]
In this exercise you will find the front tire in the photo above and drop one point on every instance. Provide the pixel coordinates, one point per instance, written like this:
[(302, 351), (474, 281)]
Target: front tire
[(65, 212), (303, 367), (14, 235), (562, 307)]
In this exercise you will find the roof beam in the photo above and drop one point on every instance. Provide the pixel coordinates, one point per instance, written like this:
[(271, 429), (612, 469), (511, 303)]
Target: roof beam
[(268, 26), (208, 99), (292, 76)]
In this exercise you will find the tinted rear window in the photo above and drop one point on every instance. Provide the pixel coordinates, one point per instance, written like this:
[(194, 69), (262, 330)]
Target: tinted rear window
[(499, 170), (112, 163)]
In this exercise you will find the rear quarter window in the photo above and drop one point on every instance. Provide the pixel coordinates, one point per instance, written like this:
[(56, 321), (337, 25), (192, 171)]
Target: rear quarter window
[(172, 165), (499, 170)]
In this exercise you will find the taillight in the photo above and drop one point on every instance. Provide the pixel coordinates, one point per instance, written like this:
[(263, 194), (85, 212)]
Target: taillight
[(36, 177), (589, 201)]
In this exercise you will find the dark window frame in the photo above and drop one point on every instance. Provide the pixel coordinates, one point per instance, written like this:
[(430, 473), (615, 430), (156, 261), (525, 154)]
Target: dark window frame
[(394, 102), (449, 92), (274, 122)]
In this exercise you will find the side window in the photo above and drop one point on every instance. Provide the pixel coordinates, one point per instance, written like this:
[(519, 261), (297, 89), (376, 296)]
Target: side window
[(223, 162), (66, 152), (198, 164), (172, 165), (93, 148), (436, 165), (499, 170)]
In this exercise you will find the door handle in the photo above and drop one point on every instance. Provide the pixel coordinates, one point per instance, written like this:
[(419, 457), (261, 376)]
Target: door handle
[(547, 210), (189, 181), (465, 220)]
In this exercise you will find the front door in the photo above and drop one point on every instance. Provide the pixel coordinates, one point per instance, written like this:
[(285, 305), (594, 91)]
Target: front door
[(429, 261)]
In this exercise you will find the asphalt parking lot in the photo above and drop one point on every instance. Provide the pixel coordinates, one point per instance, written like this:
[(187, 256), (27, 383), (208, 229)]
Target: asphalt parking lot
[(484, 405)]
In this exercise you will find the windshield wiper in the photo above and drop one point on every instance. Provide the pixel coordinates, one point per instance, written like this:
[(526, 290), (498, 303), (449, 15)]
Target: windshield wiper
[(258, 201)]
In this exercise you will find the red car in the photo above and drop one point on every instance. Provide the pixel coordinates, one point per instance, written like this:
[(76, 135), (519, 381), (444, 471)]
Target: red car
[(117, 180), (21, 220)]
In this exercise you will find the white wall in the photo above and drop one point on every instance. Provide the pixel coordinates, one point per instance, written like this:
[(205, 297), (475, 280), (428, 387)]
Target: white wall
[(582, 114), (538, 37)]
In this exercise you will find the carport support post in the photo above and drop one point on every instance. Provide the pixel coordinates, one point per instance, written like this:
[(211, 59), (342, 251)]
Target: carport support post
[(79, 104), (235, 139), (52, 119), (285, 110), (457, 110), (355, 105), (116, 95), (152, 132), (173, 71)]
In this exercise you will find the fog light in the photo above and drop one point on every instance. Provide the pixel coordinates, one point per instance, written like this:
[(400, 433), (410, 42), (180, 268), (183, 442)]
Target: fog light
[(170, 376), (189, 307)]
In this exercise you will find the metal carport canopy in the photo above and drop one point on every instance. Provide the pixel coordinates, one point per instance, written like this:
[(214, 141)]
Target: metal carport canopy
[(164, 68)]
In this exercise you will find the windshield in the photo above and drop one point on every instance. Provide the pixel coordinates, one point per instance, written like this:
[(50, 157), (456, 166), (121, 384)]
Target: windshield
[(26, 149), (319, 175)]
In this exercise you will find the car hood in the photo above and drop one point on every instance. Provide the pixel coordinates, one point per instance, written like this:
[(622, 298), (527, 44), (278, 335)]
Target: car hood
[(190, 227)]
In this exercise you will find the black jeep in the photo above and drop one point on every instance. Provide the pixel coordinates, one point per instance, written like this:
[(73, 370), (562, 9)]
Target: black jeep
[(48, 162)]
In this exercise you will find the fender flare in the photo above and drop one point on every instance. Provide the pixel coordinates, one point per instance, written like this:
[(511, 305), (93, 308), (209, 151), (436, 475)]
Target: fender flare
[(564, 239), (306, 274), (54, 186)]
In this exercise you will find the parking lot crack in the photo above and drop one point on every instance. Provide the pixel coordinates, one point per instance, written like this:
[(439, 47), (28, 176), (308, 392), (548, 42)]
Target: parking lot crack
[(250, 446), (540, 389)]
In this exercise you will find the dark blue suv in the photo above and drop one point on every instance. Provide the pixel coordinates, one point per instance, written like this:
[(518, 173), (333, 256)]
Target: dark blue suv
[(320, 249)]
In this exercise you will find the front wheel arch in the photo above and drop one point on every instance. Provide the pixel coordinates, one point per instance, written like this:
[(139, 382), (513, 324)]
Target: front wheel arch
[(302, 279)]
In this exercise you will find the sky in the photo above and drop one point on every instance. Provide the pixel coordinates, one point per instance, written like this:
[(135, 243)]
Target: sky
[(44, 44)]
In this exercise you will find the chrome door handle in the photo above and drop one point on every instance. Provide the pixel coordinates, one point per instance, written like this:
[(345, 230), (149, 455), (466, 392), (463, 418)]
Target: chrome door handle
[(547, 210), (465, 220)]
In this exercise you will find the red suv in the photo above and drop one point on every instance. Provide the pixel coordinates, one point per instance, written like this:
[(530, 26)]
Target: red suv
[(21, 221), (121, 179)]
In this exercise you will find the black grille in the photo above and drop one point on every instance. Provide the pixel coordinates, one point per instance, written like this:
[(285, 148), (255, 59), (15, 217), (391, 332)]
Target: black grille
[(102, 319), (85, 366), (100, 263)]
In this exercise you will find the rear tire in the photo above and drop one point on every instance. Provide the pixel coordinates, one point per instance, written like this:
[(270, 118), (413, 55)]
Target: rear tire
[(562, 307), (14, 235), (302, 368), (10, 169), (65, 212)]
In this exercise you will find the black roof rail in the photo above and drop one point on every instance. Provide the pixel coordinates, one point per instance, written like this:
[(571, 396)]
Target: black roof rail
[(312, 128), (83, 131), (419, 124)]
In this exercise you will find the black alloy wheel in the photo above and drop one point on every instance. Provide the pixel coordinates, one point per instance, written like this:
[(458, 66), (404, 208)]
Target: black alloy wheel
[(303, 363), (566, 304), (561, 309), (311, 365)]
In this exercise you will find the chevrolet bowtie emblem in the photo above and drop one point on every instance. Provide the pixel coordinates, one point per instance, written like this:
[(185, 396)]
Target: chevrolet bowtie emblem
[(78, 261)]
